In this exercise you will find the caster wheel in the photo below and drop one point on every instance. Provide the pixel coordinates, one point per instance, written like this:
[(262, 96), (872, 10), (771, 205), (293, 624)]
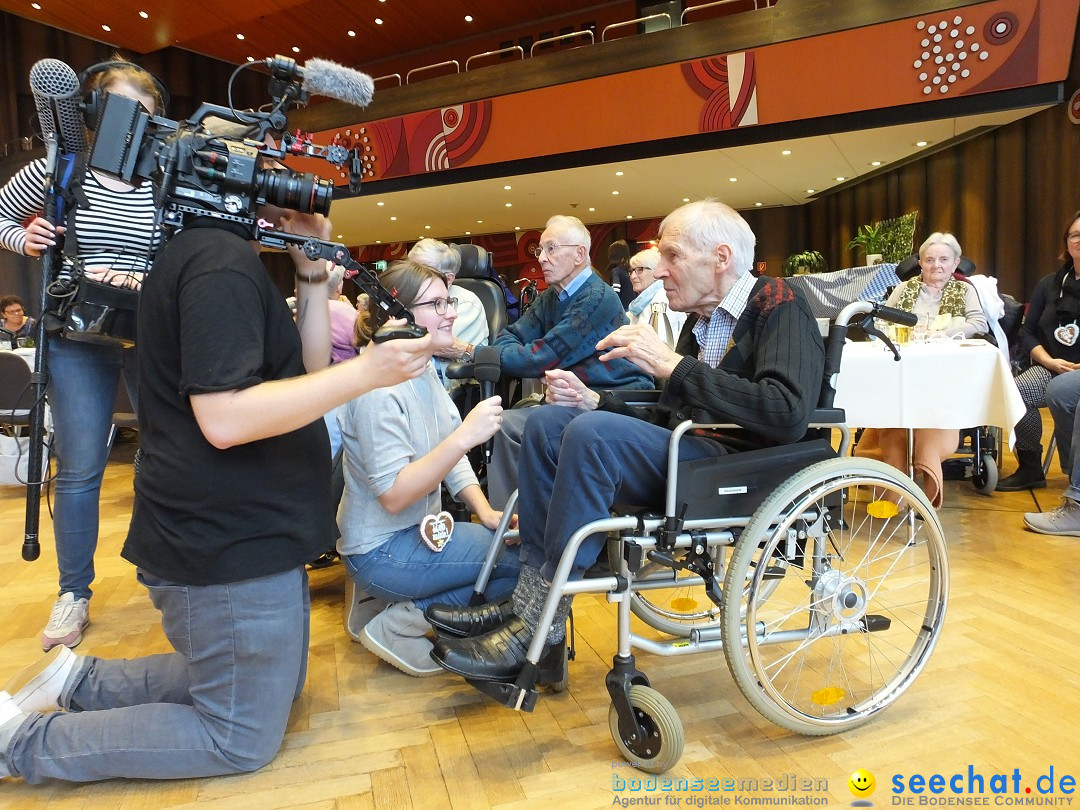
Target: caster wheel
[(664, 744)]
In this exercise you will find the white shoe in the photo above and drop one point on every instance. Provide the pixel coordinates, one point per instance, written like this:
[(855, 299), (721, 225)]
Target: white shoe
[(69, 618), (398, 637), (11, 717), (37, 688)]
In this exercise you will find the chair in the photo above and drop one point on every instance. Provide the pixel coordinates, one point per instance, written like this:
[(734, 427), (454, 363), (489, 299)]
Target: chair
[(830, 579), (15, 394), (475, 276)]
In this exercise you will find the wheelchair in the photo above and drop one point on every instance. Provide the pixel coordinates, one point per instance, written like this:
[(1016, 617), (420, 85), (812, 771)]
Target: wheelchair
[(826, 593)]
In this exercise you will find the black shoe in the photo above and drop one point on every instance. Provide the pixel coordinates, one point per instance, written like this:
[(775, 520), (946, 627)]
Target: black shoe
[(324, 560), (1020, 480), (498, 655), (468, 621)]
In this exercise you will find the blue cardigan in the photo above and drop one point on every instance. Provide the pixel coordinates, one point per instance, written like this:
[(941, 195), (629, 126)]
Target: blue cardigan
[(563, 334)]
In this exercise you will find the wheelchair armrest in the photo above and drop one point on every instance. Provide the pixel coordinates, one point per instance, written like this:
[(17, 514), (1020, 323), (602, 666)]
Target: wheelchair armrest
[(460, 370), (827, 416), (633, 396)]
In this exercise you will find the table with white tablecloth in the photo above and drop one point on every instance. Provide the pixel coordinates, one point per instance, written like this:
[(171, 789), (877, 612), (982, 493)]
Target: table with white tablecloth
[(952, 384)]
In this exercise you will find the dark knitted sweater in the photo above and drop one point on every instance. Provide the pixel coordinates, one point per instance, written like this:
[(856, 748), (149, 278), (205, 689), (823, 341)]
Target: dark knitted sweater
[(767, 383), (563, 334)]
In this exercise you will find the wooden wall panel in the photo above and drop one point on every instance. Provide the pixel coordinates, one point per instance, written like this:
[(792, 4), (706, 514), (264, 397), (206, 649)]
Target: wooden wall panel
[(976, 192), (1007, 210)]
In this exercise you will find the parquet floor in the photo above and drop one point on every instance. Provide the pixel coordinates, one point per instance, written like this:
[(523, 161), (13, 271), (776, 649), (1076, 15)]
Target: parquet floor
[(1002, 692)]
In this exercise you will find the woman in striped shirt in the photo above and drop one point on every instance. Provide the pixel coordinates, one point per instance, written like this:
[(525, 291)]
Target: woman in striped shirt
[(117, 239)]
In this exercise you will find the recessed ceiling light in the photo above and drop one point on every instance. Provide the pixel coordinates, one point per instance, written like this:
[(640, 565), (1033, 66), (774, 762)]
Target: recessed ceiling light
[(686, 199), (509, 205), (810, 191), (506, 188), (875, 162), (295, 49), (479, 222), (36, 6), (733, 179), (757, 205), (251, 58), (380, 203), (629, 216), (378, 20), (615, 193), (339, 236), (468, 233), (105, 27), (393, 219), (517, 227), (921, 143), (427, 227), (378, 241), (144, 15), (841, 179), (468, 18), (591, 210), (239, 36), (786, 152), (618, 174), (352, 33)]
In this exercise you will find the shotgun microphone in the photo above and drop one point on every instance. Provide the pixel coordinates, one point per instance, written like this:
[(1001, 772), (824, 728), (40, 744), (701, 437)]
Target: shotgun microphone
[(58, 98)]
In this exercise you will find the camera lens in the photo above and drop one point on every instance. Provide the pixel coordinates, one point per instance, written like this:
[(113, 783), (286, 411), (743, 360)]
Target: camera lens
[(303, 192)]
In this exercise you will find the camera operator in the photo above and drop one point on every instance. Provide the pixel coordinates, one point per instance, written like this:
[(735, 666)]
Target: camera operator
[(232, 499)]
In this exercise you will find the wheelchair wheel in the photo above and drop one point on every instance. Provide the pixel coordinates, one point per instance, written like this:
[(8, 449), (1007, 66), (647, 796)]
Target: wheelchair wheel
[(836, 632), (664, 729), (985, 475)]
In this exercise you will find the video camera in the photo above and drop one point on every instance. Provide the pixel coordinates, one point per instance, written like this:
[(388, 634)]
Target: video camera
[(225, 174)]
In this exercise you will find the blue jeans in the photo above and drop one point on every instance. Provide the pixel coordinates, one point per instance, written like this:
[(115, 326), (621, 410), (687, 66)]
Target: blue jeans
[(404, 569), (217, 705), (575, 465), (82, 392), (1063, 398)]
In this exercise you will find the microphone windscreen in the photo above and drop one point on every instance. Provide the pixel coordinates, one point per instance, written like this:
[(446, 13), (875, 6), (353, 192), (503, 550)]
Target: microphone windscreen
[(325, 78), (58, 96), (487, 366)]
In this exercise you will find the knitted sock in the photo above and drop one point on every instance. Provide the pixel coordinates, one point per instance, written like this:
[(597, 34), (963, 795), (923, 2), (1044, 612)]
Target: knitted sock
[(528, 598)]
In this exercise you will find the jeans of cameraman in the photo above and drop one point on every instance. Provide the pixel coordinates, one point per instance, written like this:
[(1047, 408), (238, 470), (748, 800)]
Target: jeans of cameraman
[(575, 465), (83, 380), (218, 705)]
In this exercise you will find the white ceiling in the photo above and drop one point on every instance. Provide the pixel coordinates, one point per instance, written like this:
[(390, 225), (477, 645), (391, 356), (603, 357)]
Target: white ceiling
[(648, 188)]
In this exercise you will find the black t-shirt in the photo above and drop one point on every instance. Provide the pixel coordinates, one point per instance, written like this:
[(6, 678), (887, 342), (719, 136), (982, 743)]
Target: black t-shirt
[(210, 320)]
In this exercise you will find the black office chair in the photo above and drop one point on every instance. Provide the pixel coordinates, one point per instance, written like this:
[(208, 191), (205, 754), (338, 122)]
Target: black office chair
[(476, 276), (15, 395)]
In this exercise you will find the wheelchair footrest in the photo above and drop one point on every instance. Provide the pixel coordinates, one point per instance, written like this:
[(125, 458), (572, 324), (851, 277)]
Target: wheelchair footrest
[(507, 693)]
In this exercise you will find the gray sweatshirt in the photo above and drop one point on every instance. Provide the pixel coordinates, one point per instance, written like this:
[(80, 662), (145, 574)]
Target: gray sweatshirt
[(381, 432)]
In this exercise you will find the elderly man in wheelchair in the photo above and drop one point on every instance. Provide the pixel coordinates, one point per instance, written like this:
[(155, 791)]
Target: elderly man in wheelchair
[(750, 356)]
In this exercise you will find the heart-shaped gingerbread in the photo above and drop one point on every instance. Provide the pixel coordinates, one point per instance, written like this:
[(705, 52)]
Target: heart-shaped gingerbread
[(435, 530), (1067, 335)]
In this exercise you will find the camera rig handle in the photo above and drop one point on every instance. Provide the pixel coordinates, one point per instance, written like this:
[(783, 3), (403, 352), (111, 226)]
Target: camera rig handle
[(360, 274)]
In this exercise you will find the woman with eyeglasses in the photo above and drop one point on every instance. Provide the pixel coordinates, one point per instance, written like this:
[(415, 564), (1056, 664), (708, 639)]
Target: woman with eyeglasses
[(651, 307), (1050, 341), (13, 318), (401, 444)]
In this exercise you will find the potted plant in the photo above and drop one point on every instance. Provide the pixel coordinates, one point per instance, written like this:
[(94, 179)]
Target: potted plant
[(872, 240), (807, 261)]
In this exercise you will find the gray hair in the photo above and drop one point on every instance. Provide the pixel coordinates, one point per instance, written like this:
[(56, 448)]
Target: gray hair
[(571, 228), (939, 238), (708, 223), (648, 258), (437, 255), (336, 276)]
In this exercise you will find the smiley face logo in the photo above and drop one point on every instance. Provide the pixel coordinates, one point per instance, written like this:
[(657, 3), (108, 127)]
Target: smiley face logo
[(861, 783)]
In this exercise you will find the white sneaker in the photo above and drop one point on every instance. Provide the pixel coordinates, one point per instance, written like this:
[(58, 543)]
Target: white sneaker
[(37, 688), (1064, 520), (11, 717), (69, 618)]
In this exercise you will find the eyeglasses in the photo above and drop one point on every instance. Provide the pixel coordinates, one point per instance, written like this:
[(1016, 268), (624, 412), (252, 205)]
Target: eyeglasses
[(1073, 237), (638, 270), (440, 304), (13, 312), (549, 248)]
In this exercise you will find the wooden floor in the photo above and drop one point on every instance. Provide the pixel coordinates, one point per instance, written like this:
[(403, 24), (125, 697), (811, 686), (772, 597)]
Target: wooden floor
[(1002, 692)]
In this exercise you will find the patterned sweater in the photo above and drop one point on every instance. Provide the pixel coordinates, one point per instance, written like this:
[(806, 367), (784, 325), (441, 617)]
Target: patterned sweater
[(767, 383), (563, 334)]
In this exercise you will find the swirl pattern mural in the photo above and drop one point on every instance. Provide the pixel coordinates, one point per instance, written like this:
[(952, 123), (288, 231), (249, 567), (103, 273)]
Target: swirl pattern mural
[(729, 86)]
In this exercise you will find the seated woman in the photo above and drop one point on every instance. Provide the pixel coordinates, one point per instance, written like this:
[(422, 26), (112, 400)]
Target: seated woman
[(651, 306), (400, 444), (948, 305)]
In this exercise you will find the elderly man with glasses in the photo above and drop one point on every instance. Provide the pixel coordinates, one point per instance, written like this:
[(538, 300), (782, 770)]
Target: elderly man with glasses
[(560, 331)]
